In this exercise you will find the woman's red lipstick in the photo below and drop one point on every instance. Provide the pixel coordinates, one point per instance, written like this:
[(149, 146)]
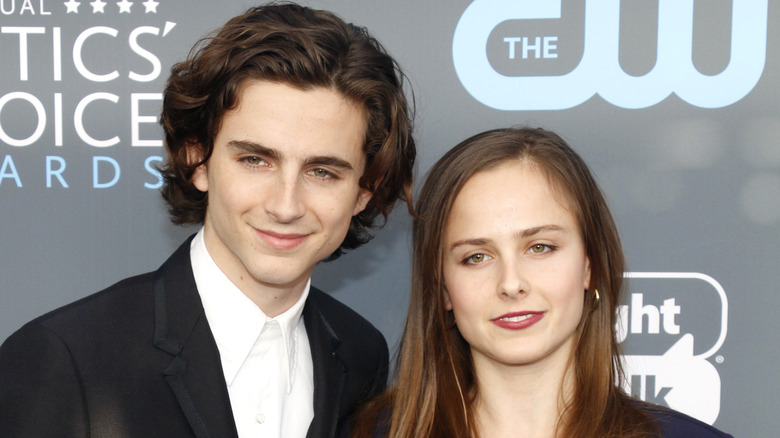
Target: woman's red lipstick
[(518, 320)]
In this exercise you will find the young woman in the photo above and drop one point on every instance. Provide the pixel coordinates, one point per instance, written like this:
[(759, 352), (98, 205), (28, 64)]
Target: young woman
[(517, 274)]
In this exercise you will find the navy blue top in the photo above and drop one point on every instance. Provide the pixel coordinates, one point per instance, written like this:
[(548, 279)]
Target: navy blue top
[(673, 424)]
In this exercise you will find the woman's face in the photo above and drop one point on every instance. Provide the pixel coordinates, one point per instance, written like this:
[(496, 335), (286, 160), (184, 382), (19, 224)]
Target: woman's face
[(515, 268)]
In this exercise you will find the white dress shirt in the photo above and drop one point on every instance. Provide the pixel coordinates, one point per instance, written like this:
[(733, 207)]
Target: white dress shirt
[(266, 361)]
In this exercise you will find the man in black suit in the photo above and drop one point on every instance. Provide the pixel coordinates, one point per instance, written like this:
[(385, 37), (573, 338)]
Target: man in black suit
[(287, 135)]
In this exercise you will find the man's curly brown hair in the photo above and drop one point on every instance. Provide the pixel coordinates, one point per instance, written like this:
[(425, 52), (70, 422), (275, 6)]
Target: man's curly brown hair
[(304, 48)]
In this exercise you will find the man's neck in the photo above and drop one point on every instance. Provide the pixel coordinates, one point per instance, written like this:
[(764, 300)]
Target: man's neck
[(273, 300)]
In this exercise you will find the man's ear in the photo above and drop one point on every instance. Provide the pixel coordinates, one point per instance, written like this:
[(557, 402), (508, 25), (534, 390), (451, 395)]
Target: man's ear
[(200, 177), (362, 200)]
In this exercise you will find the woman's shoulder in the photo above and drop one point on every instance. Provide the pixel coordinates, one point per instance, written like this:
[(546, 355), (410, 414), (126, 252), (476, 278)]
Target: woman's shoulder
[(674, 424)]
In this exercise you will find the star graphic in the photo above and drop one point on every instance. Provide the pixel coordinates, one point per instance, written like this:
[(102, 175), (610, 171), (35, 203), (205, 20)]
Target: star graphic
[(98, 6), (124, 6), (73, 6), (151, 6)]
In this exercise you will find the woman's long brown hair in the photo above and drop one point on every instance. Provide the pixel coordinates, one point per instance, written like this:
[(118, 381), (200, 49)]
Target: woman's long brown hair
[(435, 385)]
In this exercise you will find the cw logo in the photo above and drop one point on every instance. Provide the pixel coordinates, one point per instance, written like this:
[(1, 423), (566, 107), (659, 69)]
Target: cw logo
[(678, 378), (599, 70)]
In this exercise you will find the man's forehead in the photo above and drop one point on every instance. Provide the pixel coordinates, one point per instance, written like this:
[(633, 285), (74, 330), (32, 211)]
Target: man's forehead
[(291, 120), (244, 84)]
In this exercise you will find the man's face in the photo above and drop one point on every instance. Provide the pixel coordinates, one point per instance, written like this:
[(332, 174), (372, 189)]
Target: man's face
[(282, 187)]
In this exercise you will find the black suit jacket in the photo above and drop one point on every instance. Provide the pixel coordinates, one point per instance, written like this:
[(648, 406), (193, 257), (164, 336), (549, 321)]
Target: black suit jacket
[(139, 360)]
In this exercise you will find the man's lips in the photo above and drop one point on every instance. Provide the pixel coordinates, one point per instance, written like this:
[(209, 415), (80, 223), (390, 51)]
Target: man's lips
[(518, 320), (281, 240)]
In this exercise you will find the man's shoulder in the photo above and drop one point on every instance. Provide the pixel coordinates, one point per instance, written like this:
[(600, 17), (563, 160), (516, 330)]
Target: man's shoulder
[(116, 303), (127, 300)]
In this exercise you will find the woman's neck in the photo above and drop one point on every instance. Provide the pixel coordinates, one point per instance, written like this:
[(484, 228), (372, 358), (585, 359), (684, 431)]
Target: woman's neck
[(522, 400)]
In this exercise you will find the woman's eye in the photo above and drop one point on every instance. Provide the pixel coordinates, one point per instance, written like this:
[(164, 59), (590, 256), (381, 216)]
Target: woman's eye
[(476, 259), (539, 248)]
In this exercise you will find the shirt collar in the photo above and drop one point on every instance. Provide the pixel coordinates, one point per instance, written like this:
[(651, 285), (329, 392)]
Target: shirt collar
[(236, 321)]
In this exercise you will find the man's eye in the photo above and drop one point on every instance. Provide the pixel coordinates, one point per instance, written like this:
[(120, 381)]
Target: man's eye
[(254, 161), (321, 173)]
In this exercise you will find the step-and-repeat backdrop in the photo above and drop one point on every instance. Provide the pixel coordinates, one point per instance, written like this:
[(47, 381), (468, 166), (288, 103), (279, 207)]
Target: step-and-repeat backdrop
[(675, 104)]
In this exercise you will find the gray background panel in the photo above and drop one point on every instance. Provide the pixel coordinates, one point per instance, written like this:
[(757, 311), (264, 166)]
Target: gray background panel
[(692, 189)]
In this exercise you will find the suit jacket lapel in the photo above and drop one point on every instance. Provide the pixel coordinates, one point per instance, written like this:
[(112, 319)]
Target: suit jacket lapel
[(195, 371), (329, 371)]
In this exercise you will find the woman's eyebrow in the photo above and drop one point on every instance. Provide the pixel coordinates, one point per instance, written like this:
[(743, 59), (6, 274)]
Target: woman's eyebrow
[(536, 230), (524, 234), (470, 242)]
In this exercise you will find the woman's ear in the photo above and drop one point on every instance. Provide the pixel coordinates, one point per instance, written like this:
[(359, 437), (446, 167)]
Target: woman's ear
[(447, 300), (587, 274)]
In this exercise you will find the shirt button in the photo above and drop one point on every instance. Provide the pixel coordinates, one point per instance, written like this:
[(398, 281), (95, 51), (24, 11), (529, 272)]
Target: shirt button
[(260, 418)]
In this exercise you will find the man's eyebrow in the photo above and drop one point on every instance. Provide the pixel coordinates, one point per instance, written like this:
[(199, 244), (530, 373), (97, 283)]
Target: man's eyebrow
[(530, 232), (250, 147), (330, 161), (254, 148)]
